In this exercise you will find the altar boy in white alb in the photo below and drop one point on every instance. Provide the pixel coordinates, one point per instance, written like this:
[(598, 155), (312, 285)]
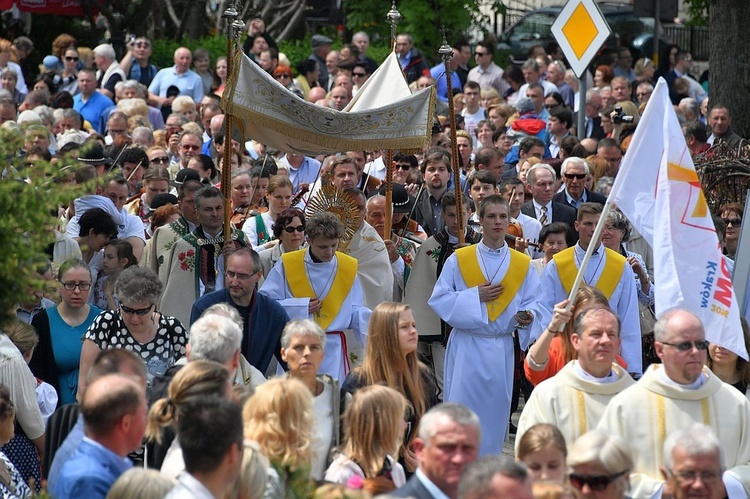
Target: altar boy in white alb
[(485, 292), (321, 284)]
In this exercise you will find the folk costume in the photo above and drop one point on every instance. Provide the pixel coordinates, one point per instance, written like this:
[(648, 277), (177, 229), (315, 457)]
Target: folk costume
[(479, 359), (647, 412), (160, 245), (572, 400), (426, 268), (195, 267), (298, 277), (259, 230), (609, 272)]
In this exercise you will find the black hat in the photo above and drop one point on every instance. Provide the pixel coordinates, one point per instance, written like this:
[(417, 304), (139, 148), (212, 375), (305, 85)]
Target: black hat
[(184, 175), (162, 200), (94, 155), (402, 201)]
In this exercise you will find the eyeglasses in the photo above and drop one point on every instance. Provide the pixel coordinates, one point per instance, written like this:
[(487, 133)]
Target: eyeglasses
[(283, 76), (686, 346), (142, 45), (235, 275), (595, 482), (481, 54), (291, 230), (71, 59), (189, 147), (359, 75), (689, 476), (642, 94), (70, 285), (140, 312), (401, 167), (734, 222), (160, 160), (571, 176)]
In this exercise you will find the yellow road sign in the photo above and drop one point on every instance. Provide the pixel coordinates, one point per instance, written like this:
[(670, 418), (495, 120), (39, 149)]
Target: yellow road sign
[(581, 30)]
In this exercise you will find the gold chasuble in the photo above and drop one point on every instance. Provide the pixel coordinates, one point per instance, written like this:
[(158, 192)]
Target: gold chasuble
[(610, 276), (512, 281), (299, 285)]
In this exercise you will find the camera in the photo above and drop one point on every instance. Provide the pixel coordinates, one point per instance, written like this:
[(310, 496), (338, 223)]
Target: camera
[(620, 117)]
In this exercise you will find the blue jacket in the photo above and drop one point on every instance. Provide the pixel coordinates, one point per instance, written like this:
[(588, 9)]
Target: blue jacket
[(261, 335), (89, 473)]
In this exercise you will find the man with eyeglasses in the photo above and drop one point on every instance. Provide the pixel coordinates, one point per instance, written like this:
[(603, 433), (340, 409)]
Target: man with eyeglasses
[(263, 318), (676, 394), (574, 172), (643, 92), (693, 464), (574, 399), (190, 145)]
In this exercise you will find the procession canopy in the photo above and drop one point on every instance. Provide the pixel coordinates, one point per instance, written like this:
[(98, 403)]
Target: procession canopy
[(383, 115)]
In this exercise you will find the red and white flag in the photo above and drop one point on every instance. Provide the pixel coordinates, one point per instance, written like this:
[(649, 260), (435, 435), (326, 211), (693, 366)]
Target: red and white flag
[(658, 189)]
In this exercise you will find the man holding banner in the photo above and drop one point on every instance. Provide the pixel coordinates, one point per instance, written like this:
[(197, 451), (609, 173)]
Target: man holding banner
[(607, 271)]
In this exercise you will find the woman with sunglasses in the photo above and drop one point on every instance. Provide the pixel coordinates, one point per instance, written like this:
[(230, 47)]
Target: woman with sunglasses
[(391, 359), (67, 79), (57, 356), (285, 76), (289, 229), (731, 213), (600, 465), (135, 325)]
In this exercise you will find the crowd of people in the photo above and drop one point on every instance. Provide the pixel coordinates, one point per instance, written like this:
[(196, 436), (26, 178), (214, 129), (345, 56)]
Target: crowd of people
[(306, 353)]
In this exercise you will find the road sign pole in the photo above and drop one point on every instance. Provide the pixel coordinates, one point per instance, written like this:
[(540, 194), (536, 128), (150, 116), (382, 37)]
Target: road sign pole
[(582, 107)]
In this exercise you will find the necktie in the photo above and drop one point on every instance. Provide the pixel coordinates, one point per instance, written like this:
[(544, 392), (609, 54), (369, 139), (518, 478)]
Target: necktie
[(543, 219)]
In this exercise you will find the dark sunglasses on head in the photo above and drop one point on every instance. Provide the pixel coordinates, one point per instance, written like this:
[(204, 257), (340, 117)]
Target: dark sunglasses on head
[(685, 346), (571, 176), (136, 311), (595, 482), (734, 222), (291, 230)]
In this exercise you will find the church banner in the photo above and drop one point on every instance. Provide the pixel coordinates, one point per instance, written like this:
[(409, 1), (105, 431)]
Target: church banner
[(658, 189), (382, 116)]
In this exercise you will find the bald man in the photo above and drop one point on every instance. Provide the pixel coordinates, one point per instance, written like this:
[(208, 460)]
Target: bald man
[(181, 76)]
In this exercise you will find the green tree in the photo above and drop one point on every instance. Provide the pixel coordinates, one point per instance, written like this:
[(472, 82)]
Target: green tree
[(698, 12)]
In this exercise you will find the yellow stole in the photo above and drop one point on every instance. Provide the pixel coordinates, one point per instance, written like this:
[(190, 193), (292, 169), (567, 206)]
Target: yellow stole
[(299, 285), (473, 276), (610, 276)]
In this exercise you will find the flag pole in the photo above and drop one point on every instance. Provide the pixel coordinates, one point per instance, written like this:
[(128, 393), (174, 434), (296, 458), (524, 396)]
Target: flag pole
[(446, 53), (393, 17), (589, 251)]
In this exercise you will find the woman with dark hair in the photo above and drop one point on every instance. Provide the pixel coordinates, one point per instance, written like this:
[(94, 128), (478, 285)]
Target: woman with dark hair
[(259, 228), (728, 366), (118, 255), (553, 238), (513, 76), (57, 357), (553, 100), (391, 359), (732, 213), (44, 82), (289, 229), (309, 72), (205, 167), (220, 76)]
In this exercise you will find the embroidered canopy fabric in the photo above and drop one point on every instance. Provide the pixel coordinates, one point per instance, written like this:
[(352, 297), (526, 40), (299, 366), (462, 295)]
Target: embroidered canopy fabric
[(383, 115)]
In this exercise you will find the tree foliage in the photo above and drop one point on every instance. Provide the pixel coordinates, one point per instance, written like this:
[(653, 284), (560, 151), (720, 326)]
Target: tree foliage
[(698, 11)]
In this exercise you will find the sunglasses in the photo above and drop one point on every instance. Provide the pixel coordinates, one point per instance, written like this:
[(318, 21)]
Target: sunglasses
[(283, 76), (83, 286), (402, 167), (734, 222), (160, 160), (359, 75), (140, 312), (142, 45), (686, 346), (291, 230), (571, 176), (71, 59), (595, 482)]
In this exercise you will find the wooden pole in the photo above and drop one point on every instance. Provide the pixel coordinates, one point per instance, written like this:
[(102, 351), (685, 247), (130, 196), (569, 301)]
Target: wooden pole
[(231, 15), (446, 53)]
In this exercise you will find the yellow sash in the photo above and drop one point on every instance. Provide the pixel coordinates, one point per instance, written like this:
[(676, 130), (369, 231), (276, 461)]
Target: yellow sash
[(299, 285), (610, 276), (514, 277)]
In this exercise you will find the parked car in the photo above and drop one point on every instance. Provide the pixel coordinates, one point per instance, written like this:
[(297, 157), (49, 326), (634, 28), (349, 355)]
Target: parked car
[(534, 28)]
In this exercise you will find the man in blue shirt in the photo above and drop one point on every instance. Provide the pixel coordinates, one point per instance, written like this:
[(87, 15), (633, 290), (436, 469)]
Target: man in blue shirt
[(90, 103), (181, 76)]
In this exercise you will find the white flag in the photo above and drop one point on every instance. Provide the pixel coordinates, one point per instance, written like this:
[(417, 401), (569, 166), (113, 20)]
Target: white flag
[(658, 189)]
